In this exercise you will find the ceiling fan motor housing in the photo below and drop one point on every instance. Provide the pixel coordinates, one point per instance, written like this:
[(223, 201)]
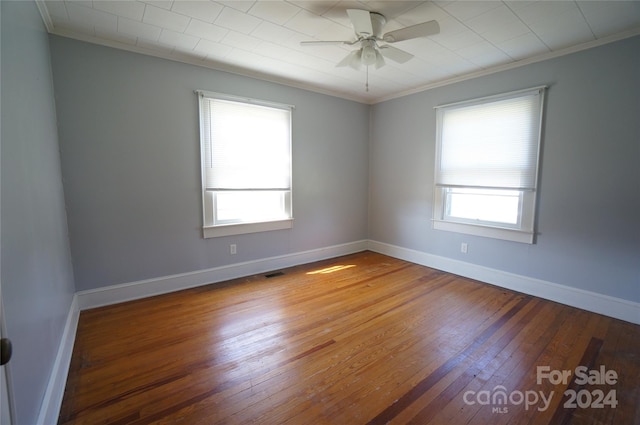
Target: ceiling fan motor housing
[(377, 22)]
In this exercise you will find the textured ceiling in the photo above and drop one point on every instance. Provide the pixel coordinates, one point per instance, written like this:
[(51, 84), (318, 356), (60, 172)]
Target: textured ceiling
[(262, 38)]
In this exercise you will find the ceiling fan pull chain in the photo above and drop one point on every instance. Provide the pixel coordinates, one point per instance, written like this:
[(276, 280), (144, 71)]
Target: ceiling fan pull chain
[(367, 82)]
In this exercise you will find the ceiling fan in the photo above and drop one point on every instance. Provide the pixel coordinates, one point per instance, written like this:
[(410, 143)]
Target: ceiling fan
[(368, 31)]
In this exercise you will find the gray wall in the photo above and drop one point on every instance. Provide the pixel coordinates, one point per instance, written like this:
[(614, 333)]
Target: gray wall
[(589, 199), (129, 137), (37, 279)]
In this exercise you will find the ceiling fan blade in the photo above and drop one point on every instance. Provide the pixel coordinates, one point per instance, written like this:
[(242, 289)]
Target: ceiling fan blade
[(414, 31), (353, 60), (395, 54), (361, 21), (379, 60)]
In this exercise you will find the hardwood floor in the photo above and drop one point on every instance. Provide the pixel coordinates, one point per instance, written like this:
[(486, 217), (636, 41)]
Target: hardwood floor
[(361, 339)]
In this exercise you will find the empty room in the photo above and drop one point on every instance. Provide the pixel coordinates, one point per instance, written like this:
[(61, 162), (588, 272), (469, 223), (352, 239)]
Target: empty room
[(320, 212)]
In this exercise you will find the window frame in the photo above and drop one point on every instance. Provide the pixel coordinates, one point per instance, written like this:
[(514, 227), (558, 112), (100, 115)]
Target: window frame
[(212, 227), (525, 230)]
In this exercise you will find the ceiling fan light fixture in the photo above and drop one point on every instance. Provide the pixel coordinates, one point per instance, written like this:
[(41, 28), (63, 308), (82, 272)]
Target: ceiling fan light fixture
[(369, 53)]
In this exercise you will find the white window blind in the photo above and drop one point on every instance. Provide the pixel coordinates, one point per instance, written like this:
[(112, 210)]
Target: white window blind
[(248, 146), (491, 144)]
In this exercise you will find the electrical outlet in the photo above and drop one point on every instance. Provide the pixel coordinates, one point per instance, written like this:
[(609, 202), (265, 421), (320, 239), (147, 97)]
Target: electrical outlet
[(463, 247), (233, 249)]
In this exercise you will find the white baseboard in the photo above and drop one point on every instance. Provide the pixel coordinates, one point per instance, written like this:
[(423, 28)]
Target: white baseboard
[(52, 401), (591, 301), (146, 288)]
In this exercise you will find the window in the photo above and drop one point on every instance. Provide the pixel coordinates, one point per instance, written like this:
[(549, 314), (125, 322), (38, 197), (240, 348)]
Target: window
[(246, 165), (487, 165)]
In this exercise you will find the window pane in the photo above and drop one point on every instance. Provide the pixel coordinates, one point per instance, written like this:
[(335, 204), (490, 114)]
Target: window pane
[(484, 205), (250, 206)]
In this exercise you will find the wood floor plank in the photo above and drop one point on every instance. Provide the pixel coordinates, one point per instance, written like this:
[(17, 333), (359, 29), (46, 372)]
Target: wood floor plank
[(507, 369), (396, 343), (359, 339), (408, 398), (477, 362)]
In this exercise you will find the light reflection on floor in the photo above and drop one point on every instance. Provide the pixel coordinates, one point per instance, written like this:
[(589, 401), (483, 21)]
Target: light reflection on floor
[(332, 269)]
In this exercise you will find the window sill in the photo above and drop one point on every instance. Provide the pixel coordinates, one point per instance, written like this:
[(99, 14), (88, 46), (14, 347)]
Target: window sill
[(243, 228), (486, 231)]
